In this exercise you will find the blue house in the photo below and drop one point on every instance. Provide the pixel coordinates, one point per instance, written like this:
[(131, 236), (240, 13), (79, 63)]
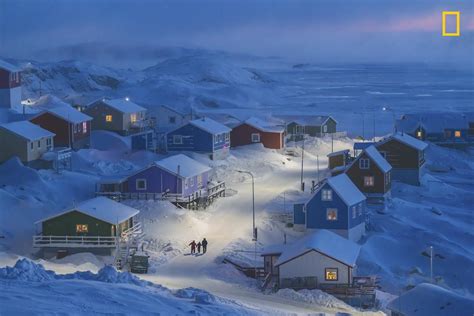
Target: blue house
[(337, 205), (202, 135)]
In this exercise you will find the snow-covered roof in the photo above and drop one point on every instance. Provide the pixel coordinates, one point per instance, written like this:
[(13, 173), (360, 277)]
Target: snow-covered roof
[(305, 119), (210, 126), (362, 145), (434, 122), (376, 157), (188, 167), (433, 300), (273, 249), (101, 208), (337, 153), (9, 67), (124, 106), (346, 189), (69, 114), (264, 126), (407, 140), (178, 110), (27, 130), (325, 242)]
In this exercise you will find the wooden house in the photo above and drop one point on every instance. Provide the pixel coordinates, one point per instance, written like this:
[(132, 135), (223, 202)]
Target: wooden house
[(10, 86), (71, 127), (405, 154), (321, 259), (442, 128), (95, 225), (336, 205), (203, 135), (312, 125), (118, 115), (170, 118), (371, 173), (27, 141), (255, 130), (338, 161)]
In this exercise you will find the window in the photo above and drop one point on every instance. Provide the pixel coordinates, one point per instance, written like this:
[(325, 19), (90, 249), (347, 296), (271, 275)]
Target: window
[(255, 138), (31, 146), (368, 181), (48, 141), (359, 209), (177, 139), (364, 163), (172, 119), (457, 133), (186, 183), (331, 214), (191, 181), (108, 118), (354, 211), (84, 127), (419, 134), (227, 137), (133, 117), (82, 228), (140, 184), (325, 128), (199, 180), (38, 144), (330, 274), (326, 195)]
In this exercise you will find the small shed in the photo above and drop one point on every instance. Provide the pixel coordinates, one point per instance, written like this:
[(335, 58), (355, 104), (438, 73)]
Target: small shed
[(406, 155), (71, 127), (203, 135), (25, 140), (256, 130), (371, 173), (337, 205), (338, 161), (317, 260)]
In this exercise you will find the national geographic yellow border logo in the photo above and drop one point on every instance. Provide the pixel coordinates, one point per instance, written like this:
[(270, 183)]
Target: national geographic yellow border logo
[(457, 14)]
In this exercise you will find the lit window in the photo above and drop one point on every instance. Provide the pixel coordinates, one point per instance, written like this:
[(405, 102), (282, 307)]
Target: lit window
[(108, 118), (419, 134), (457, 133), (368, 181), (255, 138), (331, 214), (84, 127), (82, 228), (133, 117), (177, 139), (141, 184), (326, 195), (364, 163), (330, 274)]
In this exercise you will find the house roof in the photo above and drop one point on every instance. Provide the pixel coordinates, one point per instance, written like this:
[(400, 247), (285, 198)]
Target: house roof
[(407, 140), (433, 300), (188, 167), (306, 120), (379, 160), (27, 130), (325, 242), (9, 67), (69, 114), (434, 122), (276, 249), (346, 189), (264, 126), (337, 153), (210, 126), (101, 208), (178, 110), (123, 105), (362, 145)]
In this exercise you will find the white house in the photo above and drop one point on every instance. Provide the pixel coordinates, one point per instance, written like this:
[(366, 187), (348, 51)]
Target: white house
[(170, 118)]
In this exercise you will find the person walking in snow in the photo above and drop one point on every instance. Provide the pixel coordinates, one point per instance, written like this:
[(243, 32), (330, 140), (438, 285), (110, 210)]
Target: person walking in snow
[(193, 247), (204, 245), (199, 247)]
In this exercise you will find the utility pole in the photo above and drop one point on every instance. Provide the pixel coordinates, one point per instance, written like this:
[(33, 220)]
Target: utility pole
[(317, 164), (373, 138), (302, 165), (431, 264)]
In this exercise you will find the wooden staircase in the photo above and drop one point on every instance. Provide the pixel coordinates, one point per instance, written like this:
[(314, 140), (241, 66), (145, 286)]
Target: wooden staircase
[(129, 242)]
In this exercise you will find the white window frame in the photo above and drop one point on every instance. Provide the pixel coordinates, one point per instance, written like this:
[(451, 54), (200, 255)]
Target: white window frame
[(331, 209), (365, 165), (176, 138), (199, 180), (359, 209), (368, 184), (144, 182), (191, 181), (227, 137), (354, 211), (255, 137), (326, 195), (84, 127), (38, 144), (325, 128), (32, 145)]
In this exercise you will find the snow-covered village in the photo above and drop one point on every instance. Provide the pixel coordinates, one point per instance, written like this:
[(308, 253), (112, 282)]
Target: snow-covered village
[(235, 158)]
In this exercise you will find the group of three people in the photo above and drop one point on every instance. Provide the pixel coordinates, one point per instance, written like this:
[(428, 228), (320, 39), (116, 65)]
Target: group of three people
[(198, 246)]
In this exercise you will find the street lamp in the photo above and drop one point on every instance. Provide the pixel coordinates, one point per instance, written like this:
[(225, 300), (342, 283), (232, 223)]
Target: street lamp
[(389, 109), (254, 231)]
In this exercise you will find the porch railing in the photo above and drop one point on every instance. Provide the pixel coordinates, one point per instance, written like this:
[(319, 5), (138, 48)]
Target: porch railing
[(41, 241)]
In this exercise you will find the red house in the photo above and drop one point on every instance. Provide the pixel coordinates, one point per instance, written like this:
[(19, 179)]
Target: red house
[(10, 86), (72, 128), (371, 173), (255, 130)]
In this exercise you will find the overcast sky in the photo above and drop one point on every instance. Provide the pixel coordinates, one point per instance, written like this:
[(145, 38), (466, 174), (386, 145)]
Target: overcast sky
[(325, 30)]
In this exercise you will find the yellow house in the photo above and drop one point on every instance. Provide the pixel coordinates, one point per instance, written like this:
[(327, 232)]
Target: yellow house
[(25, 140)]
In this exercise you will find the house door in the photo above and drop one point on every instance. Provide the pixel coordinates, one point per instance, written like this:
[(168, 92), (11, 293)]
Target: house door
[(114, 231)]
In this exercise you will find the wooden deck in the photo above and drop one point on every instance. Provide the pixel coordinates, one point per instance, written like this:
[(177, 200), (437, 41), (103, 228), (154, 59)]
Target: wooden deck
[(40, 241)]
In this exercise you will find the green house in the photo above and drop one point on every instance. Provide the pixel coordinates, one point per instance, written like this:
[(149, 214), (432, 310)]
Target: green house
[(98, 223)]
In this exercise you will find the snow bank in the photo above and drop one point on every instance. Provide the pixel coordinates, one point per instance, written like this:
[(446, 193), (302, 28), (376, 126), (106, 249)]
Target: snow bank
[(316, 297), (26, 270)]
